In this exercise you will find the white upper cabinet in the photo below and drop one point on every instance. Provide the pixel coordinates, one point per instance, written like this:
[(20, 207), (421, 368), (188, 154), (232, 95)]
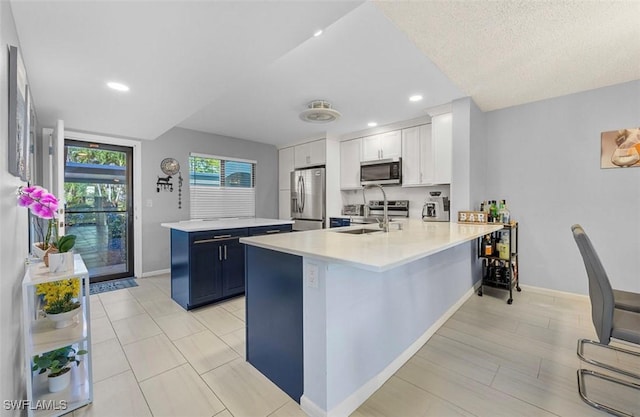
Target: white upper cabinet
[(442, 137), (350, 152), (426, 153), (310, 154), (285, 165), (371, 148), (417, 156), (383, 146)]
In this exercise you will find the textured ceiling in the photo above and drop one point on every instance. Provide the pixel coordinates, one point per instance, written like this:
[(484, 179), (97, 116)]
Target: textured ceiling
[(504, 53)]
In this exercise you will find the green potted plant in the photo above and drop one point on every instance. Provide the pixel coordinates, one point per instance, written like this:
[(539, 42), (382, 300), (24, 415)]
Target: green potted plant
[(58, 363)]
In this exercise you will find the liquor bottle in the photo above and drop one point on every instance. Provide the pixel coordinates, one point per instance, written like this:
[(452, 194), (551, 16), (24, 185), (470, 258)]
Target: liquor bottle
[(500, 211), (487, 246), (503, 250), (493, 212), (505, 215)]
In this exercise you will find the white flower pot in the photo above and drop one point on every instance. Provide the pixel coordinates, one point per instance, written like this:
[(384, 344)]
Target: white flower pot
[(61, 262), (60, 382), (37, 250), (66, 319)]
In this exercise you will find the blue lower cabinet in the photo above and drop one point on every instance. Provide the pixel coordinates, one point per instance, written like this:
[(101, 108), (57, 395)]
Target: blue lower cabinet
[(268, 230), (339, 222), (206, 266), (232, 268), (205, 273), (274, 317)]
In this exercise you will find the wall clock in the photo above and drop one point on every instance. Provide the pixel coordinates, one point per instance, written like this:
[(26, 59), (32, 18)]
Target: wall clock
[(170, 166)]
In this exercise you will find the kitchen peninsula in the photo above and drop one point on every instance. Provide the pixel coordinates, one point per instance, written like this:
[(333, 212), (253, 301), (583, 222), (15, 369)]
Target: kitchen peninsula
[(332, 315), (207, 261)]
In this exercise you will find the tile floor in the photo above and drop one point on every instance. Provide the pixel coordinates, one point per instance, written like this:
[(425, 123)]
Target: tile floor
[(152, 358)]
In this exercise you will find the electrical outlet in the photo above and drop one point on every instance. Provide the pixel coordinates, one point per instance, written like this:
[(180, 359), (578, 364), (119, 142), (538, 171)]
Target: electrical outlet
[(149, 202), (312, 275)]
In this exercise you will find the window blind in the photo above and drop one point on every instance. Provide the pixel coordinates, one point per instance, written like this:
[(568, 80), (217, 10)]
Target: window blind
[(221, 187)]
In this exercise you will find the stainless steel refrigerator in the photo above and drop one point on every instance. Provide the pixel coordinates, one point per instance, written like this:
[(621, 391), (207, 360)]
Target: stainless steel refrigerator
[(308, 198)]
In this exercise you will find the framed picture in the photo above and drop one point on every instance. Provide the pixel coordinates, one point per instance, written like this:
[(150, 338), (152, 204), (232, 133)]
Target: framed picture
[(620, 148), (18, 154), (28, 139)]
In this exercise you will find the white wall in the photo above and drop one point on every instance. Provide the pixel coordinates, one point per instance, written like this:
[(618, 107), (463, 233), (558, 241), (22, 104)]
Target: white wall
[(544, 158), (14, 246)]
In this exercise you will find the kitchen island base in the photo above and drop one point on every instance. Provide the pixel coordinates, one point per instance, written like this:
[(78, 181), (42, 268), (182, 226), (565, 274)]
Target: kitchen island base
[(358, 326), (274, 317)]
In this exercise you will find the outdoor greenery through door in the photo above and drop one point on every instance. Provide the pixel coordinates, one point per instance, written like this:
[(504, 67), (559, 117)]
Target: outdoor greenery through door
[(98, 193)]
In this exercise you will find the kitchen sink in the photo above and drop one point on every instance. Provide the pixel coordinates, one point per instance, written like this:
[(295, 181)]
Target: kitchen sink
[(361, 231)]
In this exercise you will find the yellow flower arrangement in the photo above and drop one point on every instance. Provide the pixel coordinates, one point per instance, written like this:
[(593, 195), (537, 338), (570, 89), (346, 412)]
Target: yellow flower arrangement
[(60, 296)]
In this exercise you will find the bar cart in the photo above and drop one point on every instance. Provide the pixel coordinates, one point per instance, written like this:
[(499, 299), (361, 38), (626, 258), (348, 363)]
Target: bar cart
[(499, 254)]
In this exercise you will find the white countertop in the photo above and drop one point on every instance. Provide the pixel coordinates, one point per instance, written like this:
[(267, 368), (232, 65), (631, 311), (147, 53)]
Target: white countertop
[(235, 223), (375, 251)]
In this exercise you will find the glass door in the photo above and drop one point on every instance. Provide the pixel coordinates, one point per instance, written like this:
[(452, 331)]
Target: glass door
[(98, 186)]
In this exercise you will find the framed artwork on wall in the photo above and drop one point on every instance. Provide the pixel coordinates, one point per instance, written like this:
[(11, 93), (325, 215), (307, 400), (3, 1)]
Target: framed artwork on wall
[(620, 148), (29, 140), (18, 154)]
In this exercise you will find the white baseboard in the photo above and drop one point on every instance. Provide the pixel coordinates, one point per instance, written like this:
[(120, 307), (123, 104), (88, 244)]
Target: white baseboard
[(355, 400), (154, 273), (310, 408), (555, 292)]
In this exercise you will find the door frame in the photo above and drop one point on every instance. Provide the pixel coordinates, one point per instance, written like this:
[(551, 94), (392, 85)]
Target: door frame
[(137, 185)]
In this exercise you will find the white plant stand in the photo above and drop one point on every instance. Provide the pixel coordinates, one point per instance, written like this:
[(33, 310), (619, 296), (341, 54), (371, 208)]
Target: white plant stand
[(40, 336)]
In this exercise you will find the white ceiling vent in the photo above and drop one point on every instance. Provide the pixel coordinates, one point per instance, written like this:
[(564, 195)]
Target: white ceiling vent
[(320, 111)]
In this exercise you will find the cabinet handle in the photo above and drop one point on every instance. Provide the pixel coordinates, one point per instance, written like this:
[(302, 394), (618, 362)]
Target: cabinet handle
[(381, 154), (196, 242), (219, 253), (308, 159), (273, 231), (225, 252)]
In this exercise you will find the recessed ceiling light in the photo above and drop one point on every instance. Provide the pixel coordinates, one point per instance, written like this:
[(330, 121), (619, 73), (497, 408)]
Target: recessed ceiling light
[(416, 97), (117, 86), (372, 124), (317, 33)]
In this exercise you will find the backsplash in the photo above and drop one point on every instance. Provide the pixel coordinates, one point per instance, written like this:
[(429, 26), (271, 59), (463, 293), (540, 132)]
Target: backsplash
[(416, 196)]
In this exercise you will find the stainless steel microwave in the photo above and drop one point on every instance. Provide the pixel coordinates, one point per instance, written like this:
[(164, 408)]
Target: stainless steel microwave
[(382, 171)]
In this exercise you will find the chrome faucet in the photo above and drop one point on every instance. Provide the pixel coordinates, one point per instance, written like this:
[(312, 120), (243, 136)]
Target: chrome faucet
[(384, 225)]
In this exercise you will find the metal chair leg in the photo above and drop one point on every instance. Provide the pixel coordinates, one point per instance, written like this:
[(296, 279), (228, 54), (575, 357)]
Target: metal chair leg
[(580, 352), (583, 392)]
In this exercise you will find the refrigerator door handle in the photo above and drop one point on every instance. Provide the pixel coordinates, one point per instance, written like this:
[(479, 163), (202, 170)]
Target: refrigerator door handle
[(302, 194), (297, 208), (300, 201)]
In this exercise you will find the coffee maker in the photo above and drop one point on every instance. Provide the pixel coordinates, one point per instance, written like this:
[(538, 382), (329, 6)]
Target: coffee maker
[(436, 208)]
